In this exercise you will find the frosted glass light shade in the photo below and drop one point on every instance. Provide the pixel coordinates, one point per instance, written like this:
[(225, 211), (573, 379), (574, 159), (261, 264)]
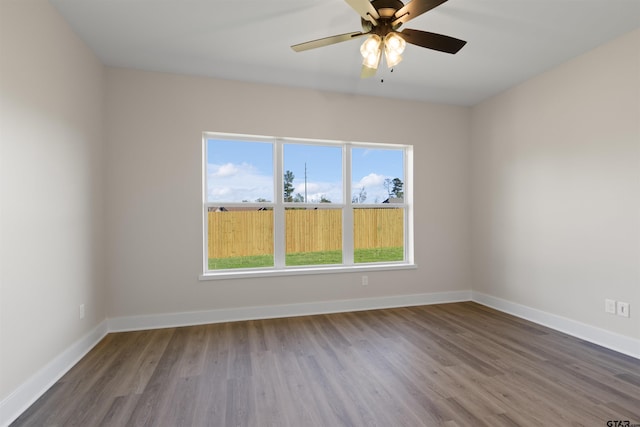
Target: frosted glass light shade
[(371, 51), (393, 47)]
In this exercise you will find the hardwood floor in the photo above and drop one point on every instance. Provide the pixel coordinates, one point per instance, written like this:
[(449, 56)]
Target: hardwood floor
[(457, 364)]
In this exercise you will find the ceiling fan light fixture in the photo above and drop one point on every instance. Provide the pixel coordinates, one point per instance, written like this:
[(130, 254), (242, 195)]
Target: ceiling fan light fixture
[(380, 20), (393, 47), (392, 58), (371, 51), (395, 43), (372, 60)]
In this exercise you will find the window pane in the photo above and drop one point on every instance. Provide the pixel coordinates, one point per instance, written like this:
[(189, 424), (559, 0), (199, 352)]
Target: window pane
[(240, 238), (377, 175), (378, 234), (313, 173), (313, 236), (239, 171)]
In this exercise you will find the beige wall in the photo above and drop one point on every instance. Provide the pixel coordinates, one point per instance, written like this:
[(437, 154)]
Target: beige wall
[(154, 129), (51, 96), (556, 189)]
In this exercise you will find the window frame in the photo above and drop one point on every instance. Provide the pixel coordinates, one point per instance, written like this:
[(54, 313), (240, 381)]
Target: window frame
[(279, 207)]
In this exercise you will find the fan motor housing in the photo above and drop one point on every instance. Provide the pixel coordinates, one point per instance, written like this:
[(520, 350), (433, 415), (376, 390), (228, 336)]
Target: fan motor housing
[(386, 9)]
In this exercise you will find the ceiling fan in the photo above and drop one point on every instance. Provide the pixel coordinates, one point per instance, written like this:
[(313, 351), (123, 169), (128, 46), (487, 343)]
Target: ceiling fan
[(380, 21)]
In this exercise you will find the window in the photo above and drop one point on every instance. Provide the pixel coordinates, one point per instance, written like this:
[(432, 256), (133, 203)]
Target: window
[(273, 205), (378, 230)]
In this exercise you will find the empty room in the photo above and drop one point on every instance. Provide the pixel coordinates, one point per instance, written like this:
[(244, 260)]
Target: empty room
[(232, 213)]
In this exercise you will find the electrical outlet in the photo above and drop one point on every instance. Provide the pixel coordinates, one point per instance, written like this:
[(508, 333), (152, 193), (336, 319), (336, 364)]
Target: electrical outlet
[(610, 306), (365, 280), (81, 311), (623, 309)]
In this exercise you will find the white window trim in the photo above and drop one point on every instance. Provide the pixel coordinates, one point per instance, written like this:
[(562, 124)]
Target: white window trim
[(279, 207), (300, 271)]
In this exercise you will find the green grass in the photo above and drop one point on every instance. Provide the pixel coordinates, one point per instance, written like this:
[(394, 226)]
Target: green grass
[(378, 255), (314, 258), (241, 262), (308, 258)]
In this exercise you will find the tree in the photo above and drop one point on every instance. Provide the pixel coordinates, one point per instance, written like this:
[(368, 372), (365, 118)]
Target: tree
[(261, 200), (360, 197), (388, 186), (396, 190), (298, 198), (288, 186), (323, 199)]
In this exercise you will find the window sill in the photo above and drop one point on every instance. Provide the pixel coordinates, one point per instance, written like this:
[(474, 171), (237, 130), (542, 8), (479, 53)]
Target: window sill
[(299, 271)]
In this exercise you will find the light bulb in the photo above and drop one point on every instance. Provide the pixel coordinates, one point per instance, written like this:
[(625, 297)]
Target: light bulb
[(371, 60), (392, 58), (370, 45), (371, 51), (395, 43), (393, 47)]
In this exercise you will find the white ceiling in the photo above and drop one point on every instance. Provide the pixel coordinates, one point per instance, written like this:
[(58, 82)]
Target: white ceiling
[(509, 41)]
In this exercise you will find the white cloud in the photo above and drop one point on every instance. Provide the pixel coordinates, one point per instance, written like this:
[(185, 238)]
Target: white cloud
[(330, 190), (373, 185), (371, 181), (221, 192), (228, 169), (237, 182)]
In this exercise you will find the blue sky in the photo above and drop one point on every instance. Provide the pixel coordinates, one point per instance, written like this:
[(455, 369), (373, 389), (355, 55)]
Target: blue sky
[(238, 171)]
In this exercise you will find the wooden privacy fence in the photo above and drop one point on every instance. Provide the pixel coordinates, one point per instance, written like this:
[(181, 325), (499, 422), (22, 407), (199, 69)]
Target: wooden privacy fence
[(246, 233), (313, 230), (378, 228)]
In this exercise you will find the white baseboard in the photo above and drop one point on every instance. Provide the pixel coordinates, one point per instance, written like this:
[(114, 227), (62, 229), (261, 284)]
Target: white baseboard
[(24, 396), (136, 323), (611, 340)]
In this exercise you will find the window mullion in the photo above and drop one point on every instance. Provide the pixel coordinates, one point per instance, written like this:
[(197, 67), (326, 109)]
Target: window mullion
[(278, 209), (205, 209), (347, 210), (408, 205)]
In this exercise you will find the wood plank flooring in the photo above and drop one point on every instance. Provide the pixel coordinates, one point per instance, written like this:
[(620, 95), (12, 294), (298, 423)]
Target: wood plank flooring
[(457, 364)]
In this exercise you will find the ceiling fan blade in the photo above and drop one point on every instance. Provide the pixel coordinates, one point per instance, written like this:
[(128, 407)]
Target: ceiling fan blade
[(432, 40), (327, 41), (413, 9), (365, 9), (367, 72)]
